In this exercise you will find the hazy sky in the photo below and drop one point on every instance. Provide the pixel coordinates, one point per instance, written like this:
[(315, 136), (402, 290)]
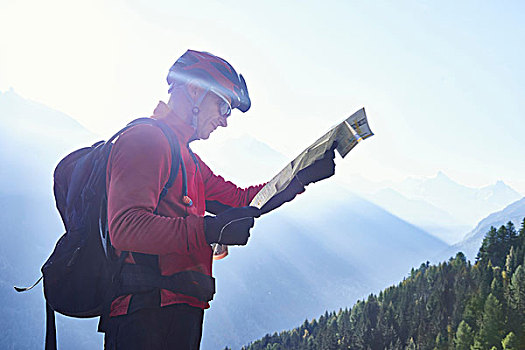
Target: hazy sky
[(443, 82)]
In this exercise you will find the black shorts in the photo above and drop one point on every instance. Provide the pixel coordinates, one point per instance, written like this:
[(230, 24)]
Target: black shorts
[(176, 326)]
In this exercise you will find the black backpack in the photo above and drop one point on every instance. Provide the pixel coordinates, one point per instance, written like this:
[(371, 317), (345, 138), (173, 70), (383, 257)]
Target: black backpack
[(79, 275)]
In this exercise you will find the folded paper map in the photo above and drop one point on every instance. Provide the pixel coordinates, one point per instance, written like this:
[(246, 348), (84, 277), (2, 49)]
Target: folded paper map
[(347, 134)]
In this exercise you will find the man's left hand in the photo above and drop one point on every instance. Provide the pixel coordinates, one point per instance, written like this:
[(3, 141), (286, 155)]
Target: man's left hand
[(321, 169)]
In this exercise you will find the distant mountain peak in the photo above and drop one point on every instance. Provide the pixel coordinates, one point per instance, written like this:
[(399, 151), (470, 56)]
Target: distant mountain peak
[(468, 205), (500, 185), (11, 94), (500, 188), (441, 175), (25, 116)]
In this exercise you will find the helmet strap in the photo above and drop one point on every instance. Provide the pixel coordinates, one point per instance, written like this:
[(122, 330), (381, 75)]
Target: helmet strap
[(195, 110), (195, 122)]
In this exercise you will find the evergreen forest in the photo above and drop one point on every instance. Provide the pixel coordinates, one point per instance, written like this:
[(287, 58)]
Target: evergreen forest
[(454, 305)]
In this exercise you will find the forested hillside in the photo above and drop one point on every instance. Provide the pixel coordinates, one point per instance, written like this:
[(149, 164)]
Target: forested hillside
[(454, 305)]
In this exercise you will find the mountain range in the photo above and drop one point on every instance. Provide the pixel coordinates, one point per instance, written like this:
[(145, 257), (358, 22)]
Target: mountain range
[(438, 204), (468, 205)]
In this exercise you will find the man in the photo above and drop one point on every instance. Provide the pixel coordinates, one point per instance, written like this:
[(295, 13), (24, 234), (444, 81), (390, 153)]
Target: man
[(172, 238)]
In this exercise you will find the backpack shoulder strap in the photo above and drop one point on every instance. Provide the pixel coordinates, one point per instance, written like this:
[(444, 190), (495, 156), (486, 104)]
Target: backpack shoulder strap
[(176, 159)]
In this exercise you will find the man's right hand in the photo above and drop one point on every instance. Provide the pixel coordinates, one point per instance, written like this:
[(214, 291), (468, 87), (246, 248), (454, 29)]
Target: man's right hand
[(231, 227)]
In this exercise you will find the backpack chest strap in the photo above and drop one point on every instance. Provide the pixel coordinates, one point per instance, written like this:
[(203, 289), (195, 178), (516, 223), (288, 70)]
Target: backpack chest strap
[(141, 279)]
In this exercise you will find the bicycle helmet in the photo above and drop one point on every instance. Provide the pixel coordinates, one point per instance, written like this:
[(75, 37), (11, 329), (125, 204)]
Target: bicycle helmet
[(211, 73)]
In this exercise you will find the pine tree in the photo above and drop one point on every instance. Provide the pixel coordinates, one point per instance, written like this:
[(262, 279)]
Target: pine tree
[(474, 312), (329, 340), (492, 328), (511, 264), (462, 286), (496, 244), (371, 313), (357, 321), (520, 241), (464, 336), (487, 246), (517, 290), (517, 303), (496, 287), (344, 328), (512, 235)]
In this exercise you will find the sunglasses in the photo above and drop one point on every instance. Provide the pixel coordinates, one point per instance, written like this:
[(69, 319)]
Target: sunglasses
[(225, 108)]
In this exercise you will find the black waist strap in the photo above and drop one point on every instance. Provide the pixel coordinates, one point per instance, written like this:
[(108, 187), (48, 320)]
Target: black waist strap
[(140, 279)]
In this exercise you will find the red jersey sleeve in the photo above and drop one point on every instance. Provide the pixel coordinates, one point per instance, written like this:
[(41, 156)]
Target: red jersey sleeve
[(218, 189), (138, 169)]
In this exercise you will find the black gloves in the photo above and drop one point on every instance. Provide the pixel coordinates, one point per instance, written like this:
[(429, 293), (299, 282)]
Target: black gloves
[(231, 227), (286, 195), (216, 207), (320, 169), (237, 230)]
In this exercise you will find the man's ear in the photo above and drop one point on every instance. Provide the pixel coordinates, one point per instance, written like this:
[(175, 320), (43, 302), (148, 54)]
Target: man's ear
[(194, 90)]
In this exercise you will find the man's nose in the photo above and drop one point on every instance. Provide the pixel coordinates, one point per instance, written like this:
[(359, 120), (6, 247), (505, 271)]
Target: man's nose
[(223, 121)]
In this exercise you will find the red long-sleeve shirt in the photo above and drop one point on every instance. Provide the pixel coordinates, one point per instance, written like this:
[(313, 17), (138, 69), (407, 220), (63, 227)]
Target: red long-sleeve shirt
[(138, 168)]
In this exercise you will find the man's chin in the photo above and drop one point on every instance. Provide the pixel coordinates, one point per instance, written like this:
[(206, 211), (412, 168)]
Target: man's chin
[(205, 136)]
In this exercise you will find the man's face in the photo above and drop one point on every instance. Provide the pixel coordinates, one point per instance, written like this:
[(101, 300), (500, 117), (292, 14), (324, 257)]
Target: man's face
[(213, 113)]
